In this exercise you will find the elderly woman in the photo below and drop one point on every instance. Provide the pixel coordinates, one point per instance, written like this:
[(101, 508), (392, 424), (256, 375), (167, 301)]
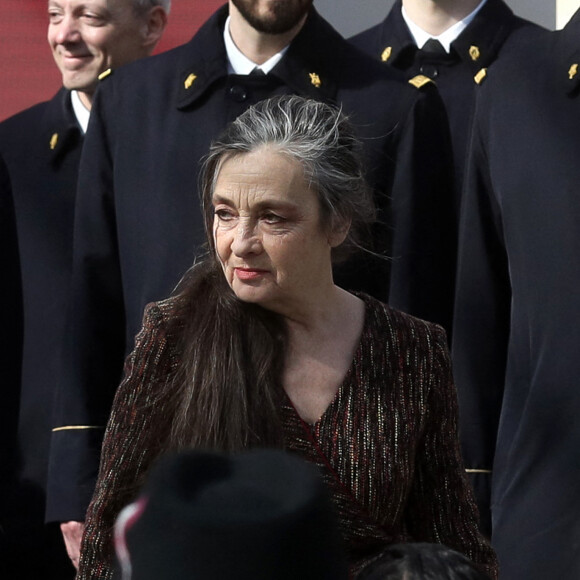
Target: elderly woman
[(260, 348)]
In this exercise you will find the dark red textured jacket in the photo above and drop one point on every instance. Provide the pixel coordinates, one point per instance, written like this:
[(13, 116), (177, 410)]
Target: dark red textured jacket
[(386, 445)]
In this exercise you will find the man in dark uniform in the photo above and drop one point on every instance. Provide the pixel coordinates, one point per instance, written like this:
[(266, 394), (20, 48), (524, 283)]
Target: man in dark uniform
[(41, 147), (517, 322), (11, 324), (138, 225), (453, 43)]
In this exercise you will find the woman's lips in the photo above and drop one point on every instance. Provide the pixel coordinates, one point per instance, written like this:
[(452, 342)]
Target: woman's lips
[(249, 273)]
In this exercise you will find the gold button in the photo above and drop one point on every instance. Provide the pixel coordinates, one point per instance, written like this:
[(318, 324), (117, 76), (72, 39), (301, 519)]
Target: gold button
[(387, 53), (474, 53), (315, 80), (53, 141), (189, 80), (573, 71)]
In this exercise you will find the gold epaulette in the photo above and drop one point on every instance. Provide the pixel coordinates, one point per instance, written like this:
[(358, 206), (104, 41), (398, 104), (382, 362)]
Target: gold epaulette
[(478, 78), (105, 74), (420, 81)]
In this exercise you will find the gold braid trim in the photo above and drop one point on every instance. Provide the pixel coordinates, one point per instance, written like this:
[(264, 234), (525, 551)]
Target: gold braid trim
[(76, 428)]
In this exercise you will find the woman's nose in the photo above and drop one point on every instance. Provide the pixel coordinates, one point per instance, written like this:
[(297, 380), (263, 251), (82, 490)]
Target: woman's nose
[(246, 240)]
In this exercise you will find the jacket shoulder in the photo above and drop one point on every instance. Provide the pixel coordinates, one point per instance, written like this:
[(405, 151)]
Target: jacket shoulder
[(368, 66), (22, 123), (372, 86), (525, 52), (407, 330), (368, 40), (163, 313), (151, 70)]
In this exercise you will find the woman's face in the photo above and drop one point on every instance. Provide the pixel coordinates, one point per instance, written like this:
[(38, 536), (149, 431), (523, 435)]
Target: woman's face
[(267, 232)]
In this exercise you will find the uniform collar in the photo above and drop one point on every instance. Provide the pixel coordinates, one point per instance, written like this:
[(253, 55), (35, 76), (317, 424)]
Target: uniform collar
[(477, 45), (60, 130), (396, 40), (567, 47), (480, 43), (310, 66), (313, 64), (420, 36)]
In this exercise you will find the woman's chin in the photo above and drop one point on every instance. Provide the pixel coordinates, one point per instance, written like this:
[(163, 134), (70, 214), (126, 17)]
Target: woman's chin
[(250, 294)]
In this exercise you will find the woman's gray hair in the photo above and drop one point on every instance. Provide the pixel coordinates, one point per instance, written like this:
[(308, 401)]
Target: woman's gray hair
[(235, 402), (141, 6), (322, 139)]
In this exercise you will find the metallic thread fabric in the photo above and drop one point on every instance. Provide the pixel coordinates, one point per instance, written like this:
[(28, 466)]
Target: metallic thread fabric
[(387, 445)]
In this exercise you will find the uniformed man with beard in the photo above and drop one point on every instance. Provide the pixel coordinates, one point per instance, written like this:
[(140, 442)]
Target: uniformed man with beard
[(41, 148), (138, 225)]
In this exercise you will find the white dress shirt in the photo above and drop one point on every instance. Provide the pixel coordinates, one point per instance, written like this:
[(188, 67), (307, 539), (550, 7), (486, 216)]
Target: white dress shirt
[(446, 37), (81, 112), (239, 63)]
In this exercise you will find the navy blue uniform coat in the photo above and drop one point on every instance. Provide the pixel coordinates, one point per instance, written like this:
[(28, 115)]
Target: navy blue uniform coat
[(517, 324), (491, 34), (41, 148), (11, 322), (138, 224)]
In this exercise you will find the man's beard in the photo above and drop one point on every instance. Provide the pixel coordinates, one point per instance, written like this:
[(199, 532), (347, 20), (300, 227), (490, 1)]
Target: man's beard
[(282, 17)]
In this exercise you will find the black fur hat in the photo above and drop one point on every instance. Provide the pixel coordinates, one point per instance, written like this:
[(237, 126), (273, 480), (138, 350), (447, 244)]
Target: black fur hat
[(261, 515)]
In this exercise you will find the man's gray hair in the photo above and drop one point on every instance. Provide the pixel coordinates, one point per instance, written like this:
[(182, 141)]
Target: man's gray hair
[(321, 138), (143, 5)]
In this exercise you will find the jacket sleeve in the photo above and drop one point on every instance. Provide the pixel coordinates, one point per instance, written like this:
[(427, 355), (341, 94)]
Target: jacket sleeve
[(129, 446), (441, 507), (481, 322), (95, 342), (423, 217)]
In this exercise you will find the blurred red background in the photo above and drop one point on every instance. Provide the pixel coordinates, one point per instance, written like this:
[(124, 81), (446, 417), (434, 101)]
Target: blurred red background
[(28, 74)]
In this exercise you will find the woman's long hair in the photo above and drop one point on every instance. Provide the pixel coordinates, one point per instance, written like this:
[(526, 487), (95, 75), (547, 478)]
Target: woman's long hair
[(228, 388)]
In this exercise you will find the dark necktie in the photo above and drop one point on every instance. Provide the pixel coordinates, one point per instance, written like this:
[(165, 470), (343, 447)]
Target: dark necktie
[(433, 46), (257, 72)]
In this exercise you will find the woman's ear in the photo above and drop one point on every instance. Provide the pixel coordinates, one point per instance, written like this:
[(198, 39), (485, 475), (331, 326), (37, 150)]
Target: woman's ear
[(339, 232), (155, 24)]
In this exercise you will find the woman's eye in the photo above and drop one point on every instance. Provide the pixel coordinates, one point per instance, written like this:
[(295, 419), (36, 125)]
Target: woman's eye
[(272, 218), (224, 214)]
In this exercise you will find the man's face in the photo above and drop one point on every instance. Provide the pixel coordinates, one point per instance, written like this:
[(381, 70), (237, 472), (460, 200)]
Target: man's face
[(273, 16), (89, 36)]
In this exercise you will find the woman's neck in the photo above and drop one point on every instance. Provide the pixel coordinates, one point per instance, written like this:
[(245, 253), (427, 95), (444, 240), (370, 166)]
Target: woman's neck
[(320, 353), (324, 318)]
